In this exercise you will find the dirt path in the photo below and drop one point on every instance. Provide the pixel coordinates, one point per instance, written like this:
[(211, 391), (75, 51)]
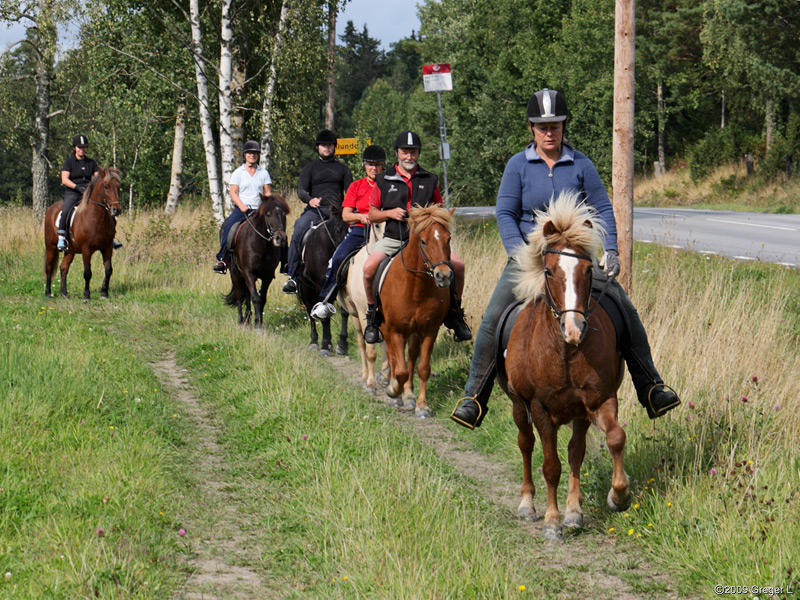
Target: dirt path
[(220, 542), (595, 559)]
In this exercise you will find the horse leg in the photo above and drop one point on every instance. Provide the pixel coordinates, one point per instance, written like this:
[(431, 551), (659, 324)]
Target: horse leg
[(87, 273), (108, 271), (619, 496), (50, 260), (384, 373), (341, 345), (262, 300), (252, 296), (314, 344), (573, 517), (551, 469), (424, 372), (525, 441), (413, 356), (398, 370), (64, 270), (326, 348)]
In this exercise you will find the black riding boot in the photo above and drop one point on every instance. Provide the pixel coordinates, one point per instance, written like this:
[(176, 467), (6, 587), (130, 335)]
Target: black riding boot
[(455, 320), (372, 334), (651, 391)]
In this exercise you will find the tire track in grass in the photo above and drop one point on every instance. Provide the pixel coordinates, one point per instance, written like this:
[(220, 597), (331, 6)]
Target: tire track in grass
[(593, 559), (218, 535)]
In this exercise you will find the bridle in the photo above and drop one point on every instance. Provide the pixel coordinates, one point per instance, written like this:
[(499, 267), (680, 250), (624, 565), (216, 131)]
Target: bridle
[(270, 230), (105, 204), (429, 264), (550, 300)]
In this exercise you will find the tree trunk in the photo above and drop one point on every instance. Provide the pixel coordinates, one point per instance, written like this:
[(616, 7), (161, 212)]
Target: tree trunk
[(225, 104), (722, 118), (47, 39), (212, 163), (770, 122), (332, 8), (662, 126), (177, 162), (266, 110), (237, 117), (622, 167)]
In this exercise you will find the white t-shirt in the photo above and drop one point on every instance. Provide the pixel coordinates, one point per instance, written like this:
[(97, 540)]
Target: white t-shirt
[(250, 186)]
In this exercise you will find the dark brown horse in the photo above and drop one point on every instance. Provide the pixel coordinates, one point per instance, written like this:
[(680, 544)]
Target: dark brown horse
[(92, 229), (255, 255), (561, 361), (317, 251), (414, 301)]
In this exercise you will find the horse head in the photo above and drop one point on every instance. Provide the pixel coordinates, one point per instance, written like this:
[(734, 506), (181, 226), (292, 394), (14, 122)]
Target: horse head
[(104, 189), (273, 211), (430, 230), (557, 265)]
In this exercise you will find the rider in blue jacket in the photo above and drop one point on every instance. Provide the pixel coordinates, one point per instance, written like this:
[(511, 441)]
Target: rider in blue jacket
[(533, 177)]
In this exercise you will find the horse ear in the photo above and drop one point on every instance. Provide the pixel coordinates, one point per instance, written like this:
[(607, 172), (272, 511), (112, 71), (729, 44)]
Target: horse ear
[(452, 210), (549, 229), (588, 224)]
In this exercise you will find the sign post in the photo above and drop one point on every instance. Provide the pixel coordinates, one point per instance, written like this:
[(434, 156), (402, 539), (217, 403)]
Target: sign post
[(437, 78)]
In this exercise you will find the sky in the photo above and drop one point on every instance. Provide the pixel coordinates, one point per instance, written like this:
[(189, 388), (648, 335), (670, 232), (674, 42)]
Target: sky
[(386, 20)]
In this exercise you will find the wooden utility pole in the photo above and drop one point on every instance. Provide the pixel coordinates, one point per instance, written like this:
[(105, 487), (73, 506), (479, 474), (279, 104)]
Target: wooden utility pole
[(622, 167), (333, 6)]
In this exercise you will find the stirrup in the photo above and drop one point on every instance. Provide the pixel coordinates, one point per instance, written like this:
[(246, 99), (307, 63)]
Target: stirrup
[(651, 411), (458, 405)]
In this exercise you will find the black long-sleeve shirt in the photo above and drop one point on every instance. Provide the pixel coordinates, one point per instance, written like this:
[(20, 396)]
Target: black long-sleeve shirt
[(326, 179)]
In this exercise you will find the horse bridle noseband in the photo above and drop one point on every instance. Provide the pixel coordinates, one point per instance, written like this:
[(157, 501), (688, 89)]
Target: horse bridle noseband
[(429, 265), (550, 301), (104, 204)]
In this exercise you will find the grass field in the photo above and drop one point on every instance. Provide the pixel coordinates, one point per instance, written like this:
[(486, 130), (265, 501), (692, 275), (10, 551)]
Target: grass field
[(334, 495)]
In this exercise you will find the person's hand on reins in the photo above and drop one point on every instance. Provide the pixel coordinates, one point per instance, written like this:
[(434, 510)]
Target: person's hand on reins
[(610, 263)]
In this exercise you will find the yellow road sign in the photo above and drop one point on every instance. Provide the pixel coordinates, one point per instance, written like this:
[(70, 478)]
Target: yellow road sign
[(349, 145)]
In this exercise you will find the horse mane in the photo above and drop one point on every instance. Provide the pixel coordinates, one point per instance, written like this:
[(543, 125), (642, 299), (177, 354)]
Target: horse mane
[(267, 201), (571, 223), (421, 217), (106, 175)]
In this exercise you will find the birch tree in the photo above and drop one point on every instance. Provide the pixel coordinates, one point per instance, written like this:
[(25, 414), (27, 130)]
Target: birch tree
[(266, 109), (225, 104), (177, 161)]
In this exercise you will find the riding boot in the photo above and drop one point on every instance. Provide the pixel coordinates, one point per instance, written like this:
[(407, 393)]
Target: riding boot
[(653, 394), (62, 241), (455, 320), (372, 334)]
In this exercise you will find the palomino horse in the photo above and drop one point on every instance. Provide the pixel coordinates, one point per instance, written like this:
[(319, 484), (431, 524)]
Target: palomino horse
[(354, 300), (92, 229), (559, 368), (414, 301), (255, 255), (317, 251)]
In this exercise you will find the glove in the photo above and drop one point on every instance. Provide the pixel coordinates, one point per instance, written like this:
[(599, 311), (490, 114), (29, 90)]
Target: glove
[(610, 263), (80, 188)]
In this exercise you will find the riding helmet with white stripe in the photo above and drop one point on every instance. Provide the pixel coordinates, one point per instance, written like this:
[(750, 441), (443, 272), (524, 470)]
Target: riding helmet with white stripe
[(547, 106), (408, 139)]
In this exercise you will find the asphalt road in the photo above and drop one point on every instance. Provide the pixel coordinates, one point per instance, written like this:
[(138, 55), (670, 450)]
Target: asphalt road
[(740, 235)]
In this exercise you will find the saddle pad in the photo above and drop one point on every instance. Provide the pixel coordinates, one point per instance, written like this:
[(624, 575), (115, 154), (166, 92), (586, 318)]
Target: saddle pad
[(71, 218)]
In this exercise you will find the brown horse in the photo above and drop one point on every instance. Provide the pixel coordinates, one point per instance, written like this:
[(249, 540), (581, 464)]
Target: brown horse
[(255, 255), (92, 229), (559, 369), (414, 301)]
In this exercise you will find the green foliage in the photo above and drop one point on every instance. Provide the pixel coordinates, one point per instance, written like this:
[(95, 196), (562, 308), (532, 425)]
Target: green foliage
[(717, 147)]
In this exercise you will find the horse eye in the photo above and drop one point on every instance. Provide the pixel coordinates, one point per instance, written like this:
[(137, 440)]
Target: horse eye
[(424, 243), (548, 272)]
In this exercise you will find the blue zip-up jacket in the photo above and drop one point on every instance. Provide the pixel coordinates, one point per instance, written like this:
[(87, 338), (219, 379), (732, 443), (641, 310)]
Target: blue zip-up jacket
[(528, 185)]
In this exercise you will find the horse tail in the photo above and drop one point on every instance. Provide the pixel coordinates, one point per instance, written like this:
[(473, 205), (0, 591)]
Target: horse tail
[(232, 298)]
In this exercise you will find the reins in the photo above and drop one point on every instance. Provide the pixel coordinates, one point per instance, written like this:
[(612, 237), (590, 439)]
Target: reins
[(270, 231)]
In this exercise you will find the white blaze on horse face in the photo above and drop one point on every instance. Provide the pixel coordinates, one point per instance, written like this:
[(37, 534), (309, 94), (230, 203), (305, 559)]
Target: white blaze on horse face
[(436, 235), (572, 329)]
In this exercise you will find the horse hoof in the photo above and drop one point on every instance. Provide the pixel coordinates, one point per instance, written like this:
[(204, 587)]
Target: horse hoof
[(49, 296), (614, 507), (341, 350), (104, 296), (573, 520), (313, 346), (423, 414), (326, 352), (552, 532), (528, 513)]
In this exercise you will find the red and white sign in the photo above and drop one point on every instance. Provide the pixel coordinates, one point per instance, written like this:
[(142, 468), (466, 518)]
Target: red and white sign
[(437, 78)]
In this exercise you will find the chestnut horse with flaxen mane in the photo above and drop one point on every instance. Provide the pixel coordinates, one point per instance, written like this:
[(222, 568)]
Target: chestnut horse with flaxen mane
[(414, 302), (561, 360), (92, 230)]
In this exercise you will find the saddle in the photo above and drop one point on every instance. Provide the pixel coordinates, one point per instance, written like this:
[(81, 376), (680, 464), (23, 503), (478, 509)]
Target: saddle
[(233, 235), (70, 218), (609, 301), (377, 283), (306, 235), (344, 268)]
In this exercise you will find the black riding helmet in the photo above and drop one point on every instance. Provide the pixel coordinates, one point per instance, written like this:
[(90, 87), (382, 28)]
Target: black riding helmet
[(407, 139), (326, 136), (251, 146), (547, 106), (80, 141), (374, 153)]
